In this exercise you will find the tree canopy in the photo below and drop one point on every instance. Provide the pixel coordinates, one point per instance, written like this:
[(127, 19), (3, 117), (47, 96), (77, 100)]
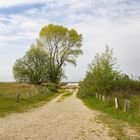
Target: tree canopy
[(101, 74), (104, 70), (33, 67), (45, 61), (63, 46)]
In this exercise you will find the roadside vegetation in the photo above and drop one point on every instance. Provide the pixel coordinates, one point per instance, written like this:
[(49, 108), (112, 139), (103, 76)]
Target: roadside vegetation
[(109, 90), (65, 95), (15, 97), (118, 129)]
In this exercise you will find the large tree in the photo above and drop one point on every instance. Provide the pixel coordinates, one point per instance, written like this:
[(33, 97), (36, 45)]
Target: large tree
[(33, 67), (63, 46)]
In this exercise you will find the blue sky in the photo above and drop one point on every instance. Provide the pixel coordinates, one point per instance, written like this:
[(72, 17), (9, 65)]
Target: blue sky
[(19, 8), (112, 22)]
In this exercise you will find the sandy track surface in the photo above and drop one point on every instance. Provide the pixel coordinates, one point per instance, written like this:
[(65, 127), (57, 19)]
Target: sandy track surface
[(66, 120)]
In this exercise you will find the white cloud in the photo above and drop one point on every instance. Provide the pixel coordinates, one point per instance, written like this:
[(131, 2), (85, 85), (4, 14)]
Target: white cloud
[(113, 22), (123, 37)]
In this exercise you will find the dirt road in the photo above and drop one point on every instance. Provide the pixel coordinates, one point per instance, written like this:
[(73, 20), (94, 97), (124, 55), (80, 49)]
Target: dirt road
[(65, 120)]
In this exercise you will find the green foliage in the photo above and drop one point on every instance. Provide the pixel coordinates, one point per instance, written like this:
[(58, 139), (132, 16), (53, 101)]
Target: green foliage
[(55, 74), (33, 67), (86, 86), (101, 75), (126, 84), (104, 71), (62, 46), (52, 89), (55, 47), (104, 78)]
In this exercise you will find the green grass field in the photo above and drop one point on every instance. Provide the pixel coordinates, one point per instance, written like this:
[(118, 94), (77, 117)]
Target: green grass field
[(30, 96)]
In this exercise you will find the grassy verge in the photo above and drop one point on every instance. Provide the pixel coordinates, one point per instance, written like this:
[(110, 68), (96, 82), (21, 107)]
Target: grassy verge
[(64, 96), (116, 128), (114, 119), (29, 98), (67, 94)]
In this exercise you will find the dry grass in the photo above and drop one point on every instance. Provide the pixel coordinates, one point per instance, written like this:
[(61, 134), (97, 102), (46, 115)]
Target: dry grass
[(30, 96)]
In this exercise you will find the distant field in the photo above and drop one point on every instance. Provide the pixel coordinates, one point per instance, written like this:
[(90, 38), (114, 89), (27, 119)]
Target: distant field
[(15, 97)]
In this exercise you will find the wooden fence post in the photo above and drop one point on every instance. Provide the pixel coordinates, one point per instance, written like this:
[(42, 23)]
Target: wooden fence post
[(126, 105), (18, 97), (29, 94), (47, 90), (100, 97), (116, 103), (96, 95), (103, 98), (36, 91)]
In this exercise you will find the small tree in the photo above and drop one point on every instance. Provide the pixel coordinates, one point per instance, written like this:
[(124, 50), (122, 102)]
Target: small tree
[(62, 45), (101, 75), (33, 67), (104, 71)]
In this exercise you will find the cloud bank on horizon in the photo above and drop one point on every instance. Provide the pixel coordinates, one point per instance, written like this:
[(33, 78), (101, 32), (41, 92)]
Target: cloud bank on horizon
[(101, 22)]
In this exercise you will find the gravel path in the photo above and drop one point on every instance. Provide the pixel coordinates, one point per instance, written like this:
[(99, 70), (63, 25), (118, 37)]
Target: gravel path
[(66, 120)]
